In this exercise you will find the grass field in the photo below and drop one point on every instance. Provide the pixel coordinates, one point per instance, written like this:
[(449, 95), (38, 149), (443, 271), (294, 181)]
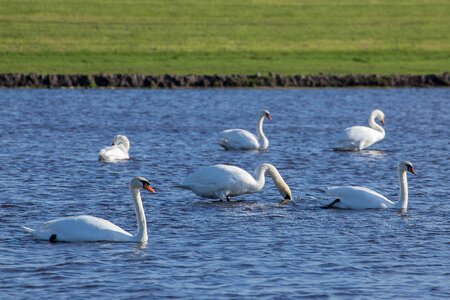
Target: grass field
[(225, 37)]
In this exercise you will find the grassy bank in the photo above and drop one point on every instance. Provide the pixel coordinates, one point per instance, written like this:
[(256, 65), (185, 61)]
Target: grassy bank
[(210, 37)]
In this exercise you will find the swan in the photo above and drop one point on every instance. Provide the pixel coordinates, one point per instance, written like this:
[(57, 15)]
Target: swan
[(225, 181), (239, 139), (359, 197), (92, 229), (117, 151), (359, 137)]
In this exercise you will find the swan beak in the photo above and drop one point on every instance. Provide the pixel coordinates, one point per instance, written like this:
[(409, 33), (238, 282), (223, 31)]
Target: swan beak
[(411, 170), (149, 188), (382, 122), (269, 117)]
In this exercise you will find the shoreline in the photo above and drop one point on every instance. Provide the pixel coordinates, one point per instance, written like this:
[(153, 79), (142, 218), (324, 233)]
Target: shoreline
[(272, 80)]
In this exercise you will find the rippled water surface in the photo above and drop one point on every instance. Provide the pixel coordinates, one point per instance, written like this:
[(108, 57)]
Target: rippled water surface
[(198, 249)]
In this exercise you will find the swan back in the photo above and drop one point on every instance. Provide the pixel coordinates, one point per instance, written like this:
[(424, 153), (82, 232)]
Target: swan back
[(358, 197), (117, 151), (121, 139)]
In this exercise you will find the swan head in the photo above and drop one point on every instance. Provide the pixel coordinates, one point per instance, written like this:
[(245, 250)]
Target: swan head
[(141, 183), (379, 115), (406, 166), (121, 139), (265, 114)]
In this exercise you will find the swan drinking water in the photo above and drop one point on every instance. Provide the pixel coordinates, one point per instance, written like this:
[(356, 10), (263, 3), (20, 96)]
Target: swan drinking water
[(92, 229), (359, 197), (359, 137), (239, 139), (117, 151), (224, 181)]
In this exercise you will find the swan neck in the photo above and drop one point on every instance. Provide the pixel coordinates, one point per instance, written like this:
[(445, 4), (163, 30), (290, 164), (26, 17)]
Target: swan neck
[(403, 182), (259, 176), (260, 132), (141, 235), (279, 182), (374, 125)]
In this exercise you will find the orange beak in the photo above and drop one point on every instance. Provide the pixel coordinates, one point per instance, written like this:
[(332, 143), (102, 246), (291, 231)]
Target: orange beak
[(412, 171), (382, 122), (149, 188), (269, 117)]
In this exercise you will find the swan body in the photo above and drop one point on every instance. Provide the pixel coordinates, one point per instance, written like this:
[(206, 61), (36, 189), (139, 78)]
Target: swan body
[(225, 181), (117, 151), (239, 139), (359, 197), (92, 229), (357, 138)]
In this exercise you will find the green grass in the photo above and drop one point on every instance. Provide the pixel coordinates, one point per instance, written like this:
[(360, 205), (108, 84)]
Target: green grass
[(225, 37)]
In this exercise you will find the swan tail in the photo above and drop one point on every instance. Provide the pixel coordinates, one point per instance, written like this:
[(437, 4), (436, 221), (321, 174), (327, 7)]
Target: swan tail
[(28, 229)]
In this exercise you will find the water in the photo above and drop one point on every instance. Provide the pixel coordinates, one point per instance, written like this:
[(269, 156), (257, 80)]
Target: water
[(244, 250)]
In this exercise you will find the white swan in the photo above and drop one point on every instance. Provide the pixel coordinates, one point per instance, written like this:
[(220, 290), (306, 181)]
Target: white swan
[(92, 229), (239, 139), (359, 137), (117, 151), (359, 197), (224, 181)]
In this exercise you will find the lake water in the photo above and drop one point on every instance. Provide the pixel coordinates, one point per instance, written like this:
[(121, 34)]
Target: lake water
[(198, 249)]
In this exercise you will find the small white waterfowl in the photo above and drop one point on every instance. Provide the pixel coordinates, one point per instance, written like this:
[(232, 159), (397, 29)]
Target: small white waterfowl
[(224, 181), (359, 197), (239, 139), (117, 151), (360, 137), (92, 229)]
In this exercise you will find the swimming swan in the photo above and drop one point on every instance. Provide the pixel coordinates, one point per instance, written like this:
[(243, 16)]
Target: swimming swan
[(224, 181), (359, 197), (359, 137), (92, 229), (239, 139), (117, 151)]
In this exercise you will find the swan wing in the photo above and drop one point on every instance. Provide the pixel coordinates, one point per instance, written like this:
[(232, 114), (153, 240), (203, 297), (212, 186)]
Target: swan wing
[(238, 139), (219, 181), (81, 229), (359, 137), (358, 197), (112, 153)]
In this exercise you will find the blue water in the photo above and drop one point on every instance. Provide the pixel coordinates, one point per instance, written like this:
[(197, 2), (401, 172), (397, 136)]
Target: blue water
[(242, 250)]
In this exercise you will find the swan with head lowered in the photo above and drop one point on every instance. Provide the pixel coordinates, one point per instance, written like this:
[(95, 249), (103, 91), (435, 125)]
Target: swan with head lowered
[(117, 151), (239, 139), (225, 181), (359, 197), (360, 137), (87, 228)]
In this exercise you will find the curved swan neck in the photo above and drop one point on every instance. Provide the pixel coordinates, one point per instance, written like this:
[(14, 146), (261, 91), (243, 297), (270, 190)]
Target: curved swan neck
[(260, 132), (403, 182), (141, 235), (279, 182), (374, 125)]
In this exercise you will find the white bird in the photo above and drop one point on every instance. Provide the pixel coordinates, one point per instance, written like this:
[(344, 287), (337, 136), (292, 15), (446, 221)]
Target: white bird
[(359, 137), (87, 228), (359, 197), (239, 139), (224, 181), (117, 151)]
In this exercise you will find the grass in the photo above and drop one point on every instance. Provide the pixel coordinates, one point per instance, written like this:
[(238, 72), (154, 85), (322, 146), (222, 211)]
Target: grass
[(225, 37)]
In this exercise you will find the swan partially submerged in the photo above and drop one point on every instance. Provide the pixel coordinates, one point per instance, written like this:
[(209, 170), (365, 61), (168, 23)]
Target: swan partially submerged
[(359, 197), (357, 138), (225, 181), (87, 228), (240, 139)]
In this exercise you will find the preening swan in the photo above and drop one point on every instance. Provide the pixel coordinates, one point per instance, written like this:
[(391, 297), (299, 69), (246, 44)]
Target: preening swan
[(117, 151), (359, 137), (92, 229), (239, 139), (224, 181), (359, 197)]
